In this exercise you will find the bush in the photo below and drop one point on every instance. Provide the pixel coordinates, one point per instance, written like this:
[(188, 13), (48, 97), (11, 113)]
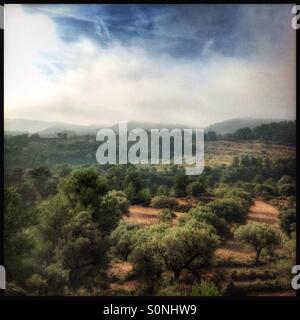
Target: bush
[(285, 180), (123, 239), (264, 190), (203, 214), (166, 215), (163, 202), (259, 286), (195, 189), (249, 275), (205, 288), (287, 190), (37, 285), (288, 220), (291, 201), (232, 210), (145, 196), (183, 207), (240, 193), (57, 279), (162, 191), (121, 199)]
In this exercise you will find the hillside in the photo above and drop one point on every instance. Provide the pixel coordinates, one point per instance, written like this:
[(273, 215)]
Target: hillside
[(14, 126), (230, 126)]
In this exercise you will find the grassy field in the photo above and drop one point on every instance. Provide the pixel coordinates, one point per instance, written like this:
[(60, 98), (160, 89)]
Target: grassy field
[(222, 152)]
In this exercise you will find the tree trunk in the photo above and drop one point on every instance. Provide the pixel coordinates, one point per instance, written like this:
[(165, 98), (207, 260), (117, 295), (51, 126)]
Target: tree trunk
[(258, 251), (176, 274)]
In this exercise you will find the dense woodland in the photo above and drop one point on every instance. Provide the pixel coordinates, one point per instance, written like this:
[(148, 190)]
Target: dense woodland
[(67, 220)]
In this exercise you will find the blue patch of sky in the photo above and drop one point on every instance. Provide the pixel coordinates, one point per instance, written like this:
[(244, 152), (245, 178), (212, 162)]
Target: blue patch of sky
[(181, 31)]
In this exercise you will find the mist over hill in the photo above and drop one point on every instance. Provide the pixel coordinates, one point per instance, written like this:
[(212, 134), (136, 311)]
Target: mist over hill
[(25, 126), (230, 126), (51, 129)]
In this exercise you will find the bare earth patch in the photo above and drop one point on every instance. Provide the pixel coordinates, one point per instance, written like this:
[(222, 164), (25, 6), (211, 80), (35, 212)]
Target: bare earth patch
[(129, 286), (262, 211), (235, 251), (119, 269), (146, 215)]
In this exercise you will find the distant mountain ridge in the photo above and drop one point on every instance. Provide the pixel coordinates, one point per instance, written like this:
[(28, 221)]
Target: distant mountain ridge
[(230, 126), (29, 126), (50, 129)]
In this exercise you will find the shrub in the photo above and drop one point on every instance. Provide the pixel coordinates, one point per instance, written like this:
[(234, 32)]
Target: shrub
[(264, 190), (240, 193), (57, 279), (291, 201), (163, 202), (203, 214), (162, 191), (288, 220), (205, 288), (259, 286), (183, 207), (287, 190), (232, 210), (250, 274), (123, 239), (37, 285), (121, 199), (195, 189), (166, 215), (145, 196), (285, 180)]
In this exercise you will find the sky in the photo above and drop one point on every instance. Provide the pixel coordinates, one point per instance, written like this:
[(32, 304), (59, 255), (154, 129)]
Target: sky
[(181, 64)]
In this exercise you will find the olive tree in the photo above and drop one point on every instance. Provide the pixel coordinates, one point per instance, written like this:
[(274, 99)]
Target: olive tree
[(192, 243), (259, 236), (204, 214), (83, 248), (147, 255), (233, 210), (123, 239)]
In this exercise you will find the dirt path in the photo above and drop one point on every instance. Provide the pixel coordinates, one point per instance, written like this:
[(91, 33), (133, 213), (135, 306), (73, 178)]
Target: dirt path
[(142, 215), (235, 251), (118, 271), (146, 216), (262, 211)]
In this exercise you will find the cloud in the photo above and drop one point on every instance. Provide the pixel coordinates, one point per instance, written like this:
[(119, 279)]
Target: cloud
[(86, 82)]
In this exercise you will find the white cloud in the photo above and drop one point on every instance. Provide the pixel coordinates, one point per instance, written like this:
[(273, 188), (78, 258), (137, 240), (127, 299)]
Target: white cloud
[(105, 85)]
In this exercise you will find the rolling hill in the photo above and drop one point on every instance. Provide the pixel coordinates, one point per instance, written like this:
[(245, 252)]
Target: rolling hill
[(50, 129)]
